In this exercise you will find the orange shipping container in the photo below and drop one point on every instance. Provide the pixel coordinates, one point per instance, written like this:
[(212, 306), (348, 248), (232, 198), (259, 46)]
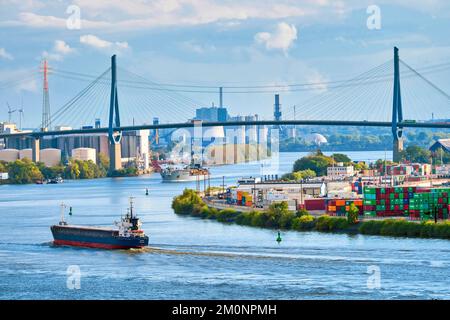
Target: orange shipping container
[(340, 203), (347, 208), (358, 202), (331, 208)]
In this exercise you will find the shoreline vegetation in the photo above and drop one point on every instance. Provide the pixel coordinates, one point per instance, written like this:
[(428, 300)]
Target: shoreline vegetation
[(189, 203), (25, 171)]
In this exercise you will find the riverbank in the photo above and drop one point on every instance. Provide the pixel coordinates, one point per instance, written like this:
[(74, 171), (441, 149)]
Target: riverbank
[(25, 171), (191, 204)]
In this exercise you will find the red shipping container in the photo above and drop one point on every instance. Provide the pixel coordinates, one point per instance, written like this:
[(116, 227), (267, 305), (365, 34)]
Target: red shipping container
[(315, 204)]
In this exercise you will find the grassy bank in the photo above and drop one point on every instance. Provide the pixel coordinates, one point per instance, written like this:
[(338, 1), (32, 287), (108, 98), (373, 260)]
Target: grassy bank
[(279, 217)]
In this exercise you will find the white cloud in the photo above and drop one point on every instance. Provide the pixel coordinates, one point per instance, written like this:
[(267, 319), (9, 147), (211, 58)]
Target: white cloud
[(136, 14), (59, 50), (197, 48), (62, 47), (20, 79), (318, 79), (51, 56), (5, 55), (132, 14), (96, 42), (281, 38)]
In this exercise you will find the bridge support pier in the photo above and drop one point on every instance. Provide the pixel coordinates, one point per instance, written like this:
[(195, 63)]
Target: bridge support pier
[(115, 156), (35, 149), (398, 148)]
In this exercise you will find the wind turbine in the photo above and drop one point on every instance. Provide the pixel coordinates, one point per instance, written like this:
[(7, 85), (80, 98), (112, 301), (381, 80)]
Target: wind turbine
[(20, 114), (10, 112)]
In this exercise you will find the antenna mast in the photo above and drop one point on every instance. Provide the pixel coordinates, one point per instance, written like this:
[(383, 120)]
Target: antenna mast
[(46, 121)]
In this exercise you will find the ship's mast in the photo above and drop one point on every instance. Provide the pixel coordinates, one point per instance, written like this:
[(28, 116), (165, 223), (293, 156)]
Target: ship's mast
[(131, 207), (63, 206)]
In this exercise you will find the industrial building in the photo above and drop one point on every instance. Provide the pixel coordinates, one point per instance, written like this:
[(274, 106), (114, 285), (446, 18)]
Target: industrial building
[(134, 145), (441, 144), (264, 193), (211, 114), (340, 171)]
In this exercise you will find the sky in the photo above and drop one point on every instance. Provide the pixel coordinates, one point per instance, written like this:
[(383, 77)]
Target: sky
[(213, 43)]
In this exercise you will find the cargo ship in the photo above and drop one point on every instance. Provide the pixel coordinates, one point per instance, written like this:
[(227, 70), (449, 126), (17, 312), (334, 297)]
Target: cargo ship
[(192, 172), (128, 234)]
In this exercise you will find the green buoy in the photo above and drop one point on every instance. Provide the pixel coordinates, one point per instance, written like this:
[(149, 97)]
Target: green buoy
[(279, 237), (146, 191), (70, 211)]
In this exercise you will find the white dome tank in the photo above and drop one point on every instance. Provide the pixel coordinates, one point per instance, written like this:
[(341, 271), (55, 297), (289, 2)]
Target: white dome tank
[(316, 138), (50, 157), (26, 153), (84, 154), (9, 155)]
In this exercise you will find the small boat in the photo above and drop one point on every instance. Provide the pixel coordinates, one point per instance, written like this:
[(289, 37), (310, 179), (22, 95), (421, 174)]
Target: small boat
[(128, 234), (55, 180)]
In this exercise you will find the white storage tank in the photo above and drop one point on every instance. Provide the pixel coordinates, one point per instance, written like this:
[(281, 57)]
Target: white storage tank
[(50, 157), (26, 153), (9, 155), (84, 154)]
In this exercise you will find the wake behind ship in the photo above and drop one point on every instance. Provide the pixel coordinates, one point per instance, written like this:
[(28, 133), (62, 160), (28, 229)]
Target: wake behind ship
[(128, 235)]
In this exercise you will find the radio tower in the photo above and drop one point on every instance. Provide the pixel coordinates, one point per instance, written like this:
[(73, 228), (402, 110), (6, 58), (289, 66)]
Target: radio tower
[(46, 99)]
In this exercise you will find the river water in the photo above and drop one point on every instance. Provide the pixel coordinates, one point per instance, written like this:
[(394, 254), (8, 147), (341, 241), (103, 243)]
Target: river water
[(190, 258)]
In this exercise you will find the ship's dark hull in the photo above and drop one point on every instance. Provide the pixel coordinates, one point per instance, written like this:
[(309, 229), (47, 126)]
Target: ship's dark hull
[(95, 238)]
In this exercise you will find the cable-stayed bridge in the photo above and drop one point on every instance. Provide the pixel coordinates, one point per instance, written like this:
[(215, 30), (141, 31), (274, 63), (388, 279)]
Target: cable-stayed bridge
[(393, 94)]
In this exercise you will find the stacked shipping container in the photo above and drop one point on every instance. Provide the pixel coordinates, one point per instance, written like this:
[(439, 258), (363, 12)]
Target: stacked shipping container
[(244, 198), (427, 203), (389, 201), (415, 202), (340, 207)]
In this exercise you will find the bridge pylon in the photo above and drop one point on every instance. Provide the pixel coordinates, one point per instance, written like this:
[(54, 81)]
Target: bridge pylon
[(114, 135), (35, 149), (397, 112)]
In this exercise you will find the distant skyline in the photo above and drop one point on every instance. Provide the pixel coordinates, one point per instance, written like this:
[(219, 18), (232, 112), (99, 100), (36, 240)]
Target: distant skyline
[(214, 43)]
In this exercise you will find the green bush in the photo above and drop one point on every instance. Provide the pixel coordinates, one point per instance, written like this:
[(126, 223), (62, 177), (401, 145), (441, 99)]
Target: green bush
[(403, 228), (245, 218), (370, 227), (327, 223), (188, 203), (124, 172), (258, 219), (301, 212), (227, 215), (285, 220), (338, 224), (323, 223), (23, 171), (353, 214), (305, 222)]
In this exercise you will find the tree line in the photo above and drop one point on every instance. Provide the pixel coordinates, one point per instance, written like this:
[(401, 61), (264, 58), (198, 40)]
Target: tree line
[(25, 171)]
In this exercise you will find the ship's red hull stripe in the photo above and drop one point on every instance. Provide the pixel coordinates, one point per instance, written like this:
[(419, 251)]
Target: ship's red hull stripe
[(90, 244)]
